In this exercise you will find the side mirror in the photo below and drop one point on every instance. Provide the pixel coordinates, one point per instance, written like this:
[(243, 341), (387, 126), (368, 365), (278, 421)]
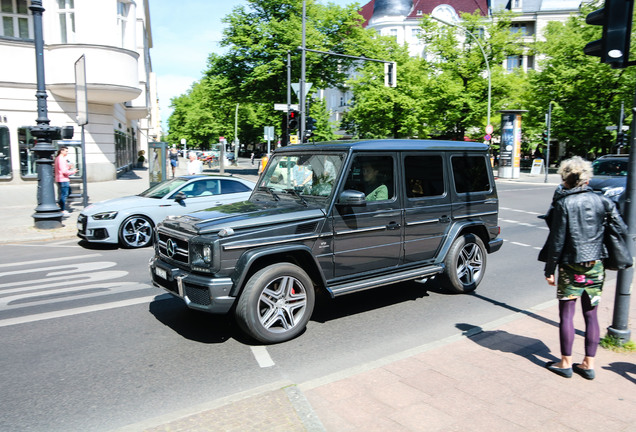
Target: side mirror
[(352, 198), (179, 197)]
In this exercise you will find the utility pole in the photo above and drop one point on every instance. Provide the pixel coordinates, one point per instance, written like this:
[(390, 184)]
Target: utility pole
[(287, 140), (301, 108)]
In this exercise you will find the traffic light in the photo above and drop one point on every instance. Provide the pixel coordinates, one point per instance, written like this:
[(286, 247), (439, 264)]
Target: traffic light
[(390, 74), (620, 139), (616, 19), (293, 119), (544, 136), (311, 124)]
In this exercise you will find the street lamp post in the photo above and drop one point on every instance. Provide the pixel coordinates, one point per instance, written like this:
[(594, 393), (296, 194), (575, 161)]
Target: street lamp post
[(47, 213), (482, 52)]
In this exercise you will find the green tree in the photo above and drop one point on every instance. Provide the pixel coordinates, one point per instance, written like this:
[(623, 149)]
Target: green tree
[(587, 94)]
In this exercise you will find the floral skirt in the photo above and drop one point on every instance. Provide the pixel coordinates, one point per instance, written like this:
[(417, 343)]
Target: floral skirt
[(574, 279)]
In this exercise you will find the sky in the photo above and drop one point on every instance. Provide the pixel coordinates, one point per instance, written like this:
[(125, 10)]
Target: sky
[(183, 35)]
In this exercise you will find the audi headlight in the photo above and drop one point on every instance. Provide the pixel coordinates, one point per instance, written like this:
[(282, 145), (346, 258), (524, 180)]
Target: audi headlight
[(105, 215), (613, 192)]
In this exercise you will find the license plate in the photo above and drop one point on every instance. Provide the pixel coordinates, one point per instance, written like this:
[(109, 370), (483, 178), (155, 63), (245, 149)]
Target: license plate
[(161, 273)]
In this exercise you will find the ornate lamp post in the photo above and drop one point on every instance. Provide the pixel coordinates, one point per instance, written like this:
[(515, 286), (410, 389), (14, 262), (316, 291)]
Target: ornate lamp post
[(47, 214)]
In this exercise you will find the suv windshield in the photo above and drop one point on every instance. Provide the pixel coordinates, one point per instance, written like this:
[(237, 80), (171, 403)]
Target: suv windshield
[(164, 188), (306, 174), (610, 167)]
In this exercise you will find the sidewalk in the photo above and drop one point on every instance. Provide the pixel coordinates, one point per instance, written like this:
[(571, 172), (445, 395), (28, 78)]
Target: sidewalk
[(489, 378)]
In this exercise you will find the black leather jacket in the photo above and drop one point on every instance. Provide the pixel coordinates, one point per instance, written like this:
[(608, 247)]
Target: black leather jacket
[(576, 228)]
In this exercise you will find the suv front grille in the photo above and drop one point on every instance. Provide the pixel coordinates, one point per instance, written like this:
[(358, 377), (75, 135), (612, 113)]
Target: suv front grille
[(173, 248)]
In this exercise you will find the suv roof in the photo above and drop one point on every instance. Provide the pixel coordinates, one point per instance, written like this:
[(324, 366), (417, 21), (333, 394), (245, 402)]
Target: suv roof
[(387, 145)]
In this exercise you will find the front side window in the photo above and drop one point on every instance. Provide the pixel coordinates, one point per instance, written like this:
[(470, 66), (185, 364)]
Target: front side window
[(470, 174), (5, 152), (66, 15), (16, 21), (372, 175)]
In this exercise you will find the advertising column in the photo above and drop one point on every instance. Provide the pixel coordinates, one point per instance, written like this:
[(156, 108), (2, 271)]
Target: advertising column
[(510, 151)]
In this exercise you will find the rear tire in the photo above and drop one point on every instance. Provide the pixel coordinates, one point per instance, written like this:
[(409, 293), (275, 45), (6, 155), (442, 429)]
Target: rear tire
[(465, 264), (276, 303)]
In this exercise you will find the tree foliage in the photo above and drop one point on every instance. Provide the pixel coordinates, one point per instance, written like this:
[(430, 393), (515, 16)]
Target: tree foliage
[(587, 94)]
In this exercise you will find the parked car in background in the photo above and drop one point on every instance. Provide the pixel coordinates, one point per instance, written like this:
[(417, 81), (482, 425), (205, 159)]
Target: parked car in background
[(610, 178), (130, 220)]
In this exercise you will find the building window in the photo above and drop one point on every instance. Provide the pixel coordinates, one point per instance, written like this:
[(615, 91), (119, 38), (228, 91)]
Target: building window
[(5, 152), (530, 62), (393, 33), (516, 4), (122, 19), (16, 21), (519, 28), (513, 62), (66, 14), (420, 12)]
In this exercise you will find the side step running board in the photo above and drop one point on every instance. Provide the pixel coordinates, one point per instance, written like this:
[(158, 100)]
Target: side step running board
[(349, 287)]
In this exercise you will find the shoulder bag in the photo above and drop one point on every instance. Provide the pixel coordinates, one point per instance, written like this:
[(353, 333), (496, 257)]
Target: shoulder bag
[(615, 240)]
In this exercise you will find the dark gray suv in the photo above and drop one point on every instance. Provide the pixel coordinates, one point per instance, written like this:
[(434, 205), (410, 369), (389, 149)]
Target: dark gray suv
[(337, 217), (610, 178)]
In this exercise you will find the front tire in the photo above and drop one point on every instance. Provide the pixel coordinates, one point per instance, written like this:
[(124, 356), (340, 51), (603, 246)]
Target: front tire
[(136, 232), (465, 264), (276, 303)]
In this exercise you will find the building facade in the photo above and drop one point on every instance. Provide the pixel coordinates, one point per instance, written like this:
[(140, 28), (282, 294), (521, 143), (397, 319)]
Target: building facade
[(115, 38)]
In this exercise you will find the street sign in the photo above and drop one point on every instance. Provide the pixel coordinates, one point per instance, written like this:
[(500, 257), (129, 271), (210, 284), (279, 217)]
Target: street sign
[(489, 129), (268, 133), (296, 88), (613, 128), (487, 138), (283, 107), (293, 139)]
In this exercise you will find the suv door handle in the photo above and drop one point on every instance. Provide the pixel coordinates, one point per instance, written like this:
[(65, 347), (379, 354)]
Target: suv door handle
[(393, 226), (444, 219)]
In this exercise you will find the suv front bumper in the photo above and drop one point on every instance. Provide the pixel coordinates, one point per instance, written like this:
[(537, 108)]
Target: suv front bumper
[(202, 293)]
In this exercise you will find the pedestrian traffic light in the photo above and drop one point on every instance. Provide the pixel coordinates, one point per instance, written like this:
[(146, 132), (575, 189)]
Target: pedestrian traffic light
[(544, 136), (293, 119), (616, 19), (311, 124)]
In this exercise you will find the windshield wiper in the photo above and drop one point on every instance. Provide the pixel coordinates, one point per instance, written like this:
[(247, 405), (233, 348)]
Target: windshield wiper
[(270, 190), (296, 194)]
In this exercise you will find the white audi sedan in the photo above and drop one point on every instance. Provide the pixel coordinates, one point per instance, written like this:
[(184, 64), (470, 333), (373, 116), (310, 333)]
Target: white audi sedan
[(130, 220)]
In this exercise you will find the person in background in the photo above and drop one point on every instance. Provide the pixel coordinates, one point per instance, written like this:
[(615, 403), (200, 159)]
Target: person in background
[(63, 170), (174, 159), (194, 165), (575, 245)]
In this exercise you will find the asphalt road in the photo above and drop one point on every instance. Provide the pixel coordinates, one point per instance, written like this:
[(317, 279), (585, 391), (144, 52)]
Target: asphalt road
[(88, 344)]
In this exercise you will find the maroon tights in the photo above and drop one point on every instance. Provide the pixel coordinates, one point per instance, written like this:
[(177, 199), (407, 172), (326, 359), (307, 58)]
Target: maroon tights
[(566, 326)]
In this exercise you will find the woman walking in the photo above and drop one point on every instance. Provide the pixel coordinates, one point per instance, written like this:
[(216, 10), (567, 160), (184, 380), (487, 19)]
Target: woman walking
[(575, 245)]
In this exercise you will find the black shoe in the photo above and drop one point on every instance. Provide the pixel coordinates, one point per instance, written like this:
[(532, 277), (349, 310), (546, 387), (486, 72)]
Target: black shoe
[(588, 374), (564, 372)]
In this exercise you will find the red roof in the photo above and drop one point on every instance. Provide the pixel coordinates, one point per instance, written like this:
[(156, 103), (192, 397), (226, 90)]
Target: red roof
[(427, 6)]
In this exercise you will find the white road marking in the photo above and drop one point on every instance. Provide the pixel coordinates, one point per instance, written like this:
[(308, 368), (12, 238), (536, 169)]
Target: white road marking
[(42, 261), (75, 311), (262, 356)]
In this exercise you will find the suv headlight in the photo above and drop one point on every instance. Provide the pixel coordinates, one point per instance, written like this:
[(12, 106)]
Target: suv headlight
[(202, 256), (105, 215), (613, 192)]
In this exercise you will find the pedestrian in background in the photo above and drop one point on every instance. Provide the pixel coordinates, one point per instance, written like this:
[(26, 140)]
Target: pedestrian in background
[(63, 170), (174, 159), (194, 165), (252, 158), (575, 245)]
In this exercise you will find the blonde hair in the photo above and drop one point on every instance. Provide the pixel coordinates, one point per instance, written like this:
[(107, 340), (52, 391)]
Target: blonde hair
[(575, 171)]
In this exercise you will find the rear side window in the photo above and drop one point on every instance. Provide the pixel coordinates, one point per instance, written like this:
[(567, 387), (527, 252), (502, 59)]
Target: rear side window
[(231, 186), (470, 174), (424, 176)]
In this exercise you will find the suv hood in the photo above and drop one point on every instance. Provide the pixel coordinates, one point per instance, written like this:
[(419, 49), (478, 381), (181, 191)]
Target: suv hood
[(245, 214)]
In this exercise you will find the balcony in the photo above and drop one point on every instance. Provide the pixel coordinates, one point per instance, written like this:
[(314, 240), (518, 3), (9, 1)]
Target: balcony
[(111, 73)]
